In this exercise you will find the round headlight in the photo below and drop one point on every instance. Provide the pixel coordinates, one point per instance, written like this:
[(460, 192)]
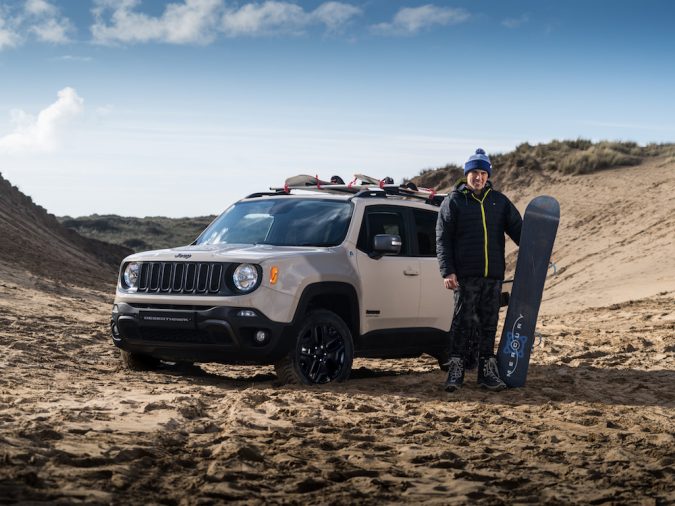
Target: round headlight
[(245, 277), (131, 273)]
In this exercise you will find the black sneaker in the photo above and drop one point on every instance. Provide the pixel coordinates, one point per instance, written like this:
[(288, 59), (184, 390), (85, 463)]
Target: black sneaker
[(455, 374), (488, 374)]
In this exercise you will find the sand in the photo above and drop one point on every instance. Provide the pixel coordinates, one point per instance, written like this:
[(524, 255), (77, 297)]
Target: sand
[(594, 425)]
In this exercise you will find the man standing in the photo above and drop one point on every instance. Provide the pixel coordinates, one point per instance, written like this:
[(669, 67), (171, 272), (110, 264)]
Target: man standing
[(470, 245)]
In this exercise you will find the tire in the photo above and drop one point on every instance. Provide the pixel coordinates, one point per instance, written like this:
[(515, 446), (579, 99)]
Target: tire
[(322, 353), (138, 362)]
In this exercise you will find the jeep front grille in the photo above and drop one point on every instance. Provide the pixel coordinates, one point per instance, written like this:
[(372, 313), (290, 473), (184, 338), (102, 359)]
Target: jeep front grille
[(201, 278)]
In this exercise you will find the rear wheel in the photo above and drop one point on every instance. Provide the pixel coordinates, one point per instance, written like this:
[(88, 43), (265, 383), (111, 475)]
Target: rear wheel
[(138, 362), (323, 351)]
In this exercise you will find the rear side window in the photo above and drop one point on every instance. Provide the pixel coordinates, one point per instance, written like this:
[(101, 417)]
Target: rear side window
[(425, 225)]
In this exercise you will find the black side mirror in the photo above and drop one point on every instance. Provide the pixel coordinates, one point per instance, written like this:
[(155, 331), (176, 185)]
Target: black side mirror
[(386, 244)]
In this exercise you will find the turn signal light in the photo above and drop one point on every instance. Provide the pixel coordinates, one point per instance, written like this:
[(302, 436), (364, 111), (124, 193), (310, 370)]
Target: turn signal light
[(274, 275)]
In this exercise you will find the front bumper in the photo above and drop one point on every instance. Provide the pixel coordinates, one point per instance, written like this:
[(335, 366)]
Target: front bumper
[(198, 333)]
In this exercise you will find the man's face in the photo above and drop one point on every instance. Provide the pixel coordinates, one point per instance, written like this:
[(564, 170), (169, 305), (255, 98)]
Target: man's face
[(476, 180)]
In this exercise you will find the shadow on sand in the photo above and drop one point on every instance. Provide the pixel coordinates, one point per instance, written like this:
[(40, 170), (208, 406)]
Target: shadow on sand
[(546, 383)]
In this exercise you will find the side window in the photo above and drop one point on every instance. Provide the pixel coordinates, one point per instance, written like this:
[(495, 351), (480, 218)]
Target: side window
[(425, 228), (382, 221)]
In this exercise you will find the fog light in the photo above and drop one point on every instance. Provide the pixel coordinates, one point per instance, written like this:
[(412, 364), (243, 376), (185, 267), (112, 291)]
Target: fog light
[(246, 312), (115, 331), (261, 336)]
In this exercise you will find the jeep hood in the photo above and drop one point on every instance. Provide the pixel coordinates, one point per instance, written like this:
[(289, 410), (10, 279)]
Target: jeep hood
[(253, 253)]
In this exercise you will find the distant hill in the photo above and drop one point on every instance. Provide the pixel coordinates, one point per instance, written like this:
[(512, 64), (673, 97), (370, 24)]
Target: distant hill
[(33, 240), (139, 234), (549, 162)]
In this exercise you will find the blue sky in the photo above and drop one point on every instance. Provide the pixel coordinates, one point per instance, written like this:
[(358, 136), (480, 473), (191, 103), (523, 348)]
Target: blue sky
[(179, 108)]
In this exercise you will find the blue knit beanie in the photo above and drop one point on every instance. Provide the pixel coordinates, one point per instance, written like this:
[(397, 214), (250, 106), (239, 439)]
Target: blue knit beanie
[(479, 161)]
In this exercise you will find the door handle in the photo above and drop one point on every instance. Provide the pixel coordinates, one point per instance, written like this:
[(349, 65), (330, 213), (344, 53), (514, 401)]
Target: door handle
[(411, 272)]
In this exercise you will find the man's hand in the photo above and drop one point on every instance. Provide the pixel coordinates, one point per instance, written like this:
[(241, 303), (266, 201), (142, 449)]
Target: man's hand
[(450, 282)]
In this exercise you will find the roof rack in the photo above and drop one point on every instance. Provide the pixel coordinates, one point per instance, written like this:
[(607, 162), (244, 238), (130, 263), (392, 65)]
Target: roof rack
[(368, 187), (371, 194)]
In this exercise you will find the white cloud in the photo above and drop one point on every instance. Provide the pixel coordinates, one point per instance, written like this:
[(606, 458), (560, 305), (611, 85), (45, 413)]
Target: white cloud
[(9, 37), (40, 7), (37, 17), (410, 20), (53, 30), (274, 17), (335, 14), (270, 17), (45, 21), (515, 22), (73, 58), (192, 21), (42, 133)]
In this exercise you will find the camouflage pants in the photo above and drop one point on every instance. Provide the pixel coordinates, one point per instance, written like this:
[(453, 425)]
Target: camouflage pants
[(474, 323)]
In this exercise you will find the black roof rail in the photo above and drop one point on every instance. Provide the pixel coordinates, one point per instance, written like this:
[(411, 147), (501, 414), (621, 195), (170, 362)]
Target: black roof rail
[(266, 194)]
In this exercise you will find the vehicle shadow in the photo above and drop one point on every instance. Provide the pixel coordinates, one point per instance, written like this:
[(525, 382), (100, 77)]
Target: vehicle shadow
[(229, 377), (546, 383)]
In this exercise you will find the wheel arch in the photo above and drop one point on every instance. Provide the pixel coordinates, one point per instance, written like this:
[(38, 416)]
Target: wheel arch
[(340, 298)]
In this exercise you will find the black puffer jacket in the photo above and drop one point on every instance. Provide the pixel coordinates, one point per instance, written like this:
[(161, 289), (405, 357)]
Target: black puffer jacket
[(470, 233)]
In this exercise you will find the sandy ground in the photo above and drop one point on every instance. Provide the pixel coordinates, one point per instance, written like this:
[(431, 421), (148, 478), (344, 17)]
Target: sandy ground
[(594, 424)]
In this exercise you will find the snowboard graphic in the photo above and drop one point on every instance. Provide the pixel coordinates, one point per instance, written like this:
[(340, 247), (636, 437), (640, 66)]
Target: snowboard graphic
[(540, 225)]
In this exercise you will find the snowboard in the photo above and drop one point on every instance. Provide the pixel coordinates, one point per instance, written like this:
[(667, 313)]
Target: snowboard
[(305, 180), (367, 179), (403, 190), (540, 225), (311, 183)]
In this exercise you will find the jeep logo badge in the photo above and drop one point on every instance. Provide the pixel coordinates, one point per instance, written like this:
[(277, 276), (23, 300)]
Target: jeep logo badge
[(185, 256)]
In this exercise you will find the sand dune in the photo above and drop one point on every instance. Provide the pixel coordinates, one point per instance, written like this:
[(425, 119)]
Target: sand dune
[(594, 424), (617, 235)]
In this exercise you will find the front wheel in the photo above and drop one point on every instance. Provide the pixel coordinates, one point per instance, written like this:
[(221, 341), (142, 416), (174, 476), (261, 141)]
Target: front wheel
[(323, 351)]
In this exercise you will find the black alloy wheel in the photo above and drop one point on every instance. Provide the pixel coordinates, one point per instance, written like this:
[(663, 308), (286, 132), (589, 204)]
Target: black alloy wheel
[(323, 352)]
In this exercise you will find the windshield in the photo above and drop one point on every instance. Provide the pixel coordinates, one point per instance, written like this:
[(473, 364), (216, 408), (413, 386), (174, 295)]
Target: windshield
[(292, 222)]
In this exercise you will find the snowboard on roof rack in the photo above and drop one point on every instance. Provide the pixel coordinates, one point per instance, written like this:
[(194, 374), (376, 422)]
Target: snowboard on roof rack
[(312, 183), (540, 225), (368, 179), (409, 190), (305, 180)]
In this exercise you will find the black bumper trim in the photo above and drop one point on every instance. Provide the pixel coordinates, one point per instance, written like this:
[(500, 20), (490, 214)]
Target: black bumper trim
[(215, 334)]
